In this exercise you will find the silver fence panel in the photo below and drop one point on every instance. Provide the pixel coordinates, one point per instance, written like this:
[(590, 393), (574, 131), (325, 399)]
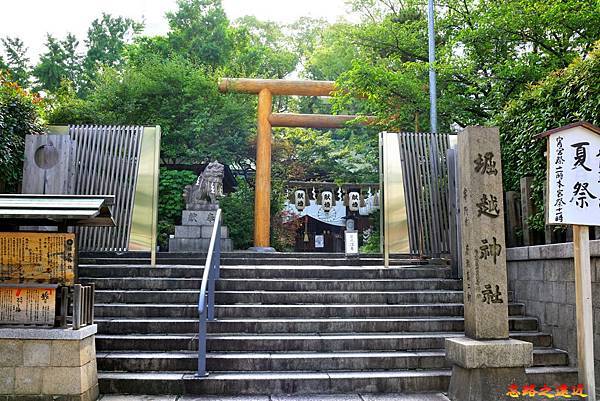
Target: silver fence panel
[(107, 164), (423, 158)]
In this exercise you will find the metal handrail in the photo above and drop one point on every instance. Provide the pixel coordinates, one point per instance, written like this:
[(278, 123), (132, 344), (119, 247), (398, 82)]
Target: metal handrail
[(206, 300)]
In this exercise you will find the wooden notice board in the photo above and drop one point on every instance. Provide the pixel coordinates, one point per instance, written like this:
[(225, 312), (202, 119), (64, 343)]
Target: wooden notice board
[(27, 305), (27, 257)]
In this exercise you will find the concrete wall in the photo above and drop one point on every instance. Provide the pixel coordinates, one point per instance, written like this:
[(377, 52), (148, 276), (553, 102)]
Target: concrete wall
[(542, 277), (48, 364)]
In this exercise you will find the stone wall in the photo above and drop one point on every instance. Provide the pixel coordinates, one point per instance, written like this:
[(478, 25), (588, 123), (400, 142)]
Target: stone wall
[(41, 364), (543, 278)]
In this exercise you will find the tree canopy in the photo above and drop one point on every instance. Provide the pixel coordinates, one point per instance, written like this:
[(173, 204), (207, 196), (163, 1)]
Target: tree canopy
[(17, 62), (488, 53)]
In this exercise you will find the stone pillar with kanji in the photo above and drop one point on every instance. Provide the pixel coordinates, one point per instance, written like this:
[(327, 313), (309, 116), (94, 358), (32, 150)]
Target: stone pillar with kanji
[(485, 361)]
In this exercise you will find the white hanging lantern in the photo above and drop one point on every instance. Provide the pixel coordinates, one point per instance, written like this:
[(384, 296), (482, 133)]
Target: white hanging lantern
[(300, 199), (326, 200), (354, 201)]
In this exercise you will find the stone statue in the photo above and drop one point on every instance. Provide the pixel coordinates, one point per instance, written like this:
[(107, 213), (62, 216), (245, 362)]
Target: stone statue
[(198, 218), (207, 189)]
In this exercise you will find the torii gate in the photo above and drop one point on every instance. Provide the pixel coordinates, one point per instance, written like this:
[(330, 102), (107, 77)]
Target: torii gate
[(266, 88)]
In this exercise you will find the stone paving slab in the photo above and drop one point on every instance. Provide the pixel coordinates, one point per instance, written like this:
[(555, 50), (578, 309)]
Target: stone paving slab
[(324, 397), (404, 397), (118, 397), (224, 398)]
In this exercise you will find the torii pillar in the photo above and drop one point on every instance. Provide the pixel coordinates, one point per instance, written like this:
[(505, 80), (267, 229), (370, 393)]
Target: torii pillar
[(265, 89)]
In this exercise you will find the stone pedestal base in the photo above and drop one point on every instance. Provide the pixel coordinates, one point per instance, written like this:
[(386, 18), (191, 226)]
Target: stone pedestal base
[(484, 384), (483, 370), (195, 232), (48, 364)]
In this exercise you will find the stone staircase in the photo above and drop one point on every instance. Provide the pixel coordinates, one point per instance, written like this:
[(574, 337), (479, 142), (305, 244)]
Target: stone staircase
[(287, 324)]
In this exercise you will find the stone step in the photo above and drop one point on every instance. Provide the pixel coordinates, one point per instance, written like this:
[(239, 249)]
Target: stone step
[(245, 254), (284, 397), (296, 325), (338, 285), (245, 383), (289, 311), (242, 383), (318, 323), (257, 272), (125, 361), (334, 342), (167, 259), (327, 342), (160, 283), (281, 297)]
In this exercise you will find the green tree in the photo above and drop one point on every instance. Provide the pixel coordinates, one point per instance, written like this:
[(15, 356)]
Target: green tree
[(106, 41), (19, 116), (488, 52), (306, 35), (334, 54), (260, 50), (507, 45), (17, 61), (238, 215), (59, 62), (565, 96), (200, 31), (73, 60), (148, 49), (197, 122), (342, 155)]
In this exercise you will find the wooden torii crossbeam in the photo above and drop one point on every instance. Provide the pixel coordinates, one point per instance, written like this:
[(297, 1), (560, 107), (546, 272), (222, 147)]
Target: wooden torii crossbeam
[(265, 89)]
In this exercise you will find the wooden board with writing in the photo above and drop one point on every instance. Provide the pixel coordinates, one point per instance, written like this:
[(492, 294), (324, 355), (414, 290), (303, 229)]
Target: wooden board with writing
[(27, 305), (573, 176), (37, 258), (351, 243)]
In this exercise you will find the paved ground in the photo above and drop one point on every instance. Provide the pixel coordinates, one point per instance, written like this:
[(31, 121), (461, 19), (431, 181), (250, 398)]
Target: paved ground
[(327, 397)]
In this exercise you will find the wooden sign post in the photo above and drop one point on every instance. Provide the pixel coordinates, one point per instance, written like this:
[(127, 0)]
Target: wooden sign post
[(573, 157)]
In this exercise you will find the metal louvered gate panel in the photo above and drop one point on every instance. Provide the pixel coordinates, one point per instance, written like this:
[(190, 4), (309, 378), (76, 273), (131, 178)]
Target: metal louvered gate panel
[(107, 163), (423, 158)]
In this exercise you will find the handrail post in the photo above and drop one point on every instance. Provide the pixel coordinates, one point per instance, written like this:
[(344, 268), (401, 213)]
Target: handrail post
[(218, 252), (211, 297), (202, 345)]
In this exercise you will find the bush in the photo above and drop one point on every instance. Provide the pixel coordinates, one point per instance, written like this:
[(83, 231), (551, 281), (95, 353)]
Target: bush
[(566, 96), (372, 243), (170, 201), (238, 215), (283, 236), (19, 116)]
